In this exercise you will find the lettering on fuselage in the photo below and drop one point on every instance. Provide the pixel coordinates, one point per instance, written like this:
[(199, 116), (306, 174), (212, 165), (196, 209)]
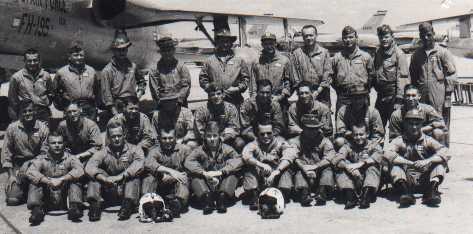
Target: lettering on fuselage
[(53, 5), (35, 25)]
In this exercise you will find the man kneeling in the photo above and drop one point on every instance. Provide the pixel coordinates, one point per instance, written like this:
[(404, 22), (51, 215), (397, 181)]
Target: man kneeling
[(214, 167), (53, 175), (417, 160)]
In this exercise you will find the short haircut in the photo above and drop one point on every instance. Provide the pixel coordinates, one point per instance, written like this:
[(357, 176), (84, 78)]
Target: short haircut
[(426, 27), (24, 104), (166, 129), (305, 83), (212, 126), (309, 26), (263, 83), (384, 29), (409, 87), (31, 51), (114, 124), (76, 47), (131, 100), (68, 103), (213, 87), (359, 126), (264, 123), (55, 134)]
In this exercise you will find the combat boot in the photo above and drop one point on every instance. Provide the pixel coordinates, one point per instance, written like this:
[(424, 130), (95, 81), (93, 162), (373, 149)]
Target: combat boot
[(95, 211), (221, 200), (323, 195), (208, 204), (305, 198), (432, 196), (175, 205), (37, 215), (75, 212), (125, 210), (367, 197), (406, 199), (253, 199), (351, 199)]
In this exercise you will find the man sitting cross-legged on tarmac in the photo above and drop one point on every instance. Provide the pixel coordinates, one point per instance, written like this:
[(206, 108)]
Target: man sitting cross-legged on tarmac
[(113, 171), (359, 166), (314, 167), (214, 167), (417, 160), (166, 173), (55, 175), (268, 159)]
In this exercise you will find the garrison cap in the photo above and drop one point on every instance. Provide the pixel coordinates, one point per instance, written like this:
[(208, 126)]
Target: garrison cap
[(166, 42), (225, 33), (268, 36), (425, 27), (384, 29), (348, 30), (310, 121)]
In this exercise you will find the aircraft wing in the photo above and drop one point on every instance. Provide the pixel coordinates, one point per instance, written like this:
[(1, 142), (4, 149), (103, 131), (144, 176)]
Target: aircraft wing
[(142, 13)]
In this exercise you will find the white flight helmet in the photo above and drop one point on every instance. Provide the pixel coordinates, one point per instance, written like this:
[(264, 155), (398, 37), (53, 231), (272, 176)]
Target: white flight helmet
[(271, 203), (152, 208)]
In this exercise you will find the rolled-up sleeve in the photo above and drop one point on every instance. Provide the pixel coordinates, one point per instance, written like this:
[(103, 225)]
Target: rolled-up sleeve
[(8, 148), (76, 170), (137, 166), (192, 162), (34, 171), (92, 167)]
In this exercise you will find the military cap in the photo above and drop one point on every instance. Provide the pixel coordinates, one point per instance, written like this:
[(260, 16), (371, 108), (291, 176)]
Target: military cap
[(413, 114), (120, 40), (425, 27), (166, 42), (225, 33), (348, 30), (212, 127), (268, 36), (76, 46), (384, 29), (311, 121), (356, 90)]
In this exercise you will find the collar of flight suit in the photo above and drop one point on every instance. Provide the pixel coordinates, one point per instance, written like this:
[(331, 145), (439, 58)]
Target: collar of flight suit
[(48, 157), (314, 52), (354, 54), (29, 76), (126, 66), (124, 150), (35, 126), (432, 51), (390, 50), (209, 152), (75, 70)]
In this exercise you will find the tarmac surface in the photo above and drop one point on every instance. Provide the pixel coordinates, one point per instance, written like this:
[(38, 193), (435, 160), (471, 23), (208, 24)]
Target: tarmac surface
[(453, 216)]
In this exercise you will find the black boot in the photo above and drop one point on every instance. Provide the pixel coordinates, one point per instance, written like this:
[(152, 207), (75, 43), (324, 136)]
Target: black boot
[(305, 198), (75, 212), (37, 215), (208, 203), (175, 205), (322, 195), (406, 199), (432, 196), (221, 200), (95, 211), (252, 199), (286, 194), (125, 210), (366, 197), (351, 199)]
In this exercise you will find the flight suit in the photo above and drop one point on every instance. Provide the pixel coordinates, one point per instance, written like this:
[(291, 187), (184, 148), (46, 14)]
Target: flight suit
[(39, 89), (183, 124), (109, 163), (424, 148), (349, 70), (251, 114), (86, 137), (371, 174), (430, 115), (226, 159), (322, 111), (118, 83), (231, 71), (314, 67), (273, 155), (322, 150), (82, 86), (172, 77), (46, 166), (139, 132), (228, 122), (154, 181), (391, 77), (345, 121), (20, 146)]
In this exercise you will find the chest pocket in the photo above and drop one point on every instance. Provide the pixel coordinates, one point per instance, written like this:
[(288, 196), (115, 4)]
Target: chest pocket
[(39, 87), (389, 64), (437, 67), (358, 68), (58, 170)]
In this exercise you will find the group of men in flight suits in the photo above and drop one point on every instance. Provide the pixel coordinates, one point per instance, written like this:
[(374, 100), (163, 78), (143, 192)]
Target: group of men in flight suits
[(263, 141)]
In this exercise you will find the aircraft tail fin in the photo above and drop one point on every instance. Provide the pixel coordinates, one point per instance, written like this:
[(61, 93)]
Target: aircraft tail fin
[(373, 22)]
